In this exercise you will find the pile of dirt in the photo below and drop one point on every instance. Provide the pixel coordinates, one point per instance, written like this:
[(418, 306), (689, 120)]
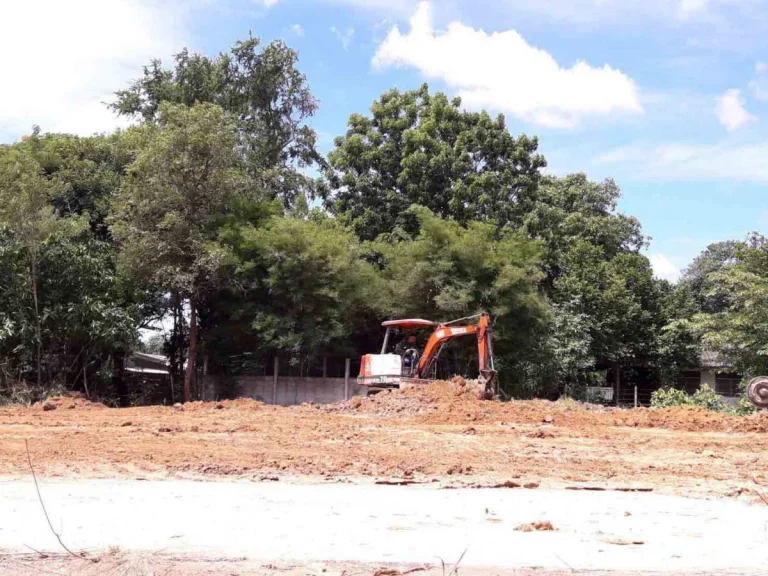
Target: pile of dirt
[(458, 402), (540, 526), (412, 401), (70, 402), (436, 432)]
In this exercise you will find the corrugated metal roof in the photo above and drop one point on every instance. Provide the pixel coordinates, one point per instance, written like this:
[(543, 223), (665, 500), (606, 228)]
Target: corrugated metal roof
[(159, 358), (712, 359)]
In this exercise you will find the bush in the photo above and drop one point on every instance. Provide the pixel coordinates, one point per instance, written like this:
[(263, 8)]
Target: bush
[(745, 407), (707, 398), (667, 397), (704, 397)]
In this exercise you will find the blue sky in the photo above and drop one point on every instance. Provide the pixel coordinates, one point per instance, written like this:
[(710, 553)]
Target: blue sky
[(668, 97)]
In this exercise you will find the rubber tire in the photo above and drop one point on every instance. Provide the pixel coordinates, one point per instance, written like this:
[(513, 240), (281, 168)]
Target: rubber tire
[(757, 391)]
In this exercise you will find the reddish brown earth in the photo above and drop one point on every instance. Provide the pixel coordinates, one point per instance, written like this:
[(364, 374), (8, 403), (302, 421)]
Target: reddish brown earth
[(440, 433)]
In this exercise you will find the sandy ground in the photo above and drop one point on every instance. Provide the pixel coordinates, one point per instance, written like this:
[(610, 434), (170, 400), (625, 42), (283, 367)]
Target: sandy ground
[(287, 524), (573, 464)]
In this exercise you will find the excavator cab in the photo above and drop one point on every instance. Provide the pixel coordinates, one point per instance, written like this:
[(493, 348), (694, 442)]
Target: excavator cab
[(406, 365)]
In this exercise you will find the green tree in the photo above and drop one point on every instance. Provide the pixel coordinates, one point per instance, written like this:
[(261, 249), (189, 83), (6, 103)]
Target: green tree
[(699, 280), (574, 209), (678, 342), (88, 320), (607, 304), (304, 288), (27, 213), (186, 177), (261, 88), (86, 171), (739, 332), (418, 148), (447, 271)]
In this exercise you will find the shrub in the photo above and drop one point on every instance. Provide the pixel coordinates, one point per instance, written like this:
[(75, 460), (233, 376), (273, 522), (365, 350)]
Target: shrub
[(745, 407), (707, 398), (704, 397), (667, 397)]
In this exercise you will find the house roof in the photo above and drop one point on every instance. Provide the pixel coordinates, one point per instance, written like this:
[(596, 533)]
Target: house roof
[(145, 370), (156, 358), (408, 324), (712, 359)]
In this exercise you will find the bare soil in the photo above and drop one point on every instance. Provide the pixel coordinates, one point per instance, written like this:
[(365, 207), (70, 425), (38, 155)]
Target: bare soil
[(118, 563), (441, 433)]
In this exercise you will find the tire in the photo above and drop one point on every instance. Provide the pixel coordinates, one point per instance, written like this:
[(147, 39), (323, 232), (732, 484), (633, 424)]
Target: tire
[(757, 391)]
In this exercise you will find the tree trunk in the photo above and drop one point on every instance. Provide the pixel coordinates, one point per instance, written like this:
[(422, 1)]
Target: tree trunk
[(175, 351), (85, 378), (117, 377), (33, 278), (192, 356)]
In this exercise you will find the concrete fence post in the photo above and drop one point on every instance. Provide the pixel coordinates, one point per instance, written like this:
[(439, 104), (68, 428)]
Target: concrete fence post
[(635, 396), (346, 379), (274, 380)]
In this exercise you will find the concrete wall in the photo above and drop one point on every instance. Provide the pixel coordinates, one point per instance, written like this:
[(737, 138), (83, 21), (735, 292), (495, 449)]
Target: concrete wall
[(708, 377), (289, 390)]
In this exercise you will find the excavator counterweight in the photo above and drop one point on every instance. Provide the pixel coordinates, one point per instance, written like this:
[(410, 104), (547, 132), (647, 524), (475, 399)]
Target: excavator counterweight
[(408, 367)]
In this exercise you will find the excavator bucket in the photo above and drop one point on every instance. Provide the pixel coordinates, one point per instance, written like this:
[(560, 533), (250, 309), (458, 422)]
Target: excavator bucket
[(488, 380)]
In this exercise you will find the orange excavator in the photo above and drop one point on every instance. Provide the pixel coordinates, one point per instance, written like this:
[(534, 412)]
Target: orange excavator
[(408, 367)]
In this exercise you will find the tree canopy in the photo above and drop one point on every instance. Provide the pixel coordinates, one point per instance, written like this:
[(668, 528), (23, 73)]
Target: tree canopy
[(207, 213), (261, 89), (419, 148)]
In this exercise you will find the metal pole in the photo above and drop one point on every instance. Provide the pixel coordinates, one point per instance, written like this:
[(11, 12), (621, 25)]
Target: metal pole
[(462, 319), (618, 382), (346, 379), (635, 396), (386, 340), (274, 380)]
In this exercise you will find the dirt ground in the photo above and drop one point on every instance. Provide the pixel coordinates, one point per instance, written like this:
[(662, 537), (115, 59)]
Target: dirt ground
[(438, 434), (123, 564), (118, 563)]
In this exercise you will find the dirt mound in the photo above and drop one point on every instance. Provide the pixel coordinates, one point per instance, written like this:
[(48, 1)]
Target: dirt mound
[(416, 400), (419, 435), (458, 402), (71, 402), (239, 404)]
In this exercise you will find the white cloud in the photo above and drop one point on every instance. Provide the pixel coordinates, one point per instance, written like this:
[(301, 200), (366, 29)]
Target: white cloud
[(695, 163), (663, 267), (297, 29), (730, 110), (486, 69), (266, 3), (61, 60), (688, 8), (344, 37)]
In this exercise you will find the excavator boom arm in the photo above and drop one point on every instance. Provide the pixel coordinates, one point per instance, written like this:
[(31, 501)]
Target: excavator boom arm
[(445, 333)]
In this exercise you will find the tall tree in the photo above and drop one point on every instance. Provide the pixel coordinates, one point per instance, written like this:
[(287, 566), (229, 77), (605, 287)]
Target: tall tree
[(738, 332), (419, 148), (264, 92), (446, 271), (186, 176), (699, 279), (27, 213), (573, 208), (308, 288)]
